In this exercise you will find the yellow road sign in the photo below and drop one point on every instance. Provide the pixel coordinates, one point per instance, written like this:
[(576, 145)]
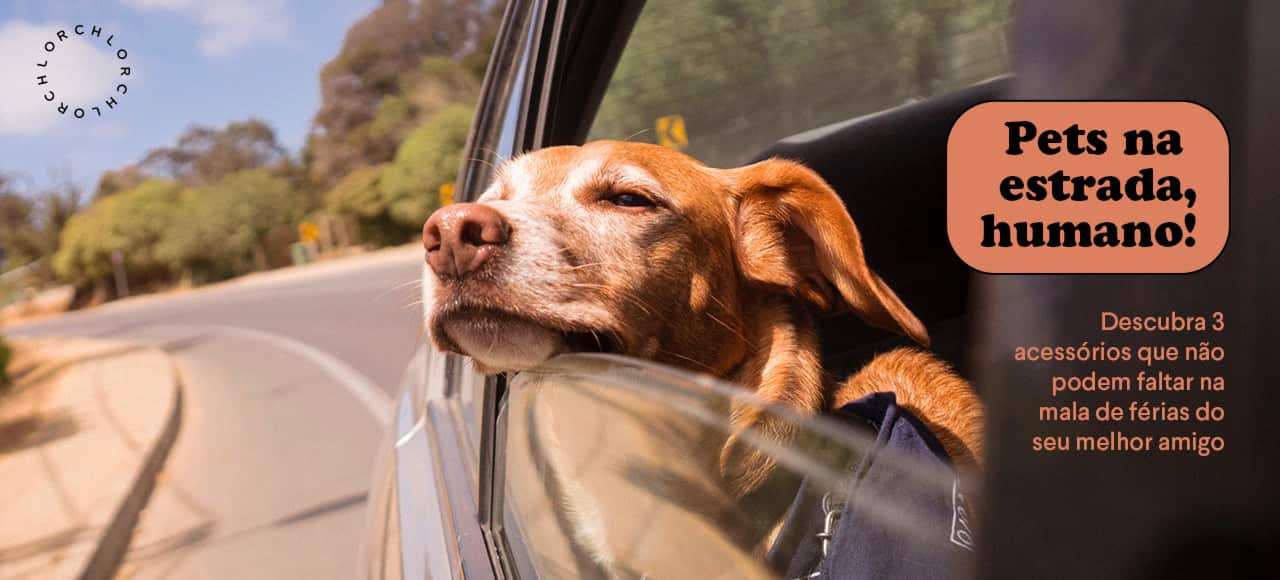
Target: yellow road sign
[(308, 232), (671, 132), (446, 194)]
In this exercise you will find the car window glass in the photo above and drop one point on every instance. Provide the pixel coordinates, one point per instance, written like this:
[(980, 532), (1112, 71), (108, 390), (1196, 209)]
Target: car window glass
[(469, 386), (723, 79), (496, 138), (614, 469), (494, 141)]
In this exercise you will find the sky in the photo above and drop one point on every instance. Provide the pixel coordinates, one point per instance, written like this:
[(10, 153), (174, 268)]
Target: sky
[(206, 62)]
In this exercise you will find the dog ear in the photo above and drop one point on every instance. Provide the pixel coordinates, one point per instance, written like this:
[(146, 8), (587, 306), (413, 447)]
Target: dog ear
[(792, 232)]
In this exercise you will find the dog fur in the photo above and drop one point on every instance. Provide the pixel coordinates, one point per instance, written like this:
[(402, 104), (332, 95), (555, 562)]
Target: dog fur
[(640, 250)]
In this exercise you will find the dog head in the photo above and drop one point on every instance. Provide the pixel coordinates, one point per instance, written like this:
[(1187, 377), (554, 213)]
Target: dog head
[(637, 249)]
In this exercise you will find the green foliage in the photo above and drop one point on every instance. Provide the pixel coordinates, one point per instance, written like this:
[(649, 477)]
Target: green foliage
[(428, 158), (164, 230), (31, 224), (358, 195), (132, 222), (391, 200), (390, 117), (441, 67), (220, 229), (17, 236), (438, 83), (744, 73), (204, 155), (398, 66), (115, 181)]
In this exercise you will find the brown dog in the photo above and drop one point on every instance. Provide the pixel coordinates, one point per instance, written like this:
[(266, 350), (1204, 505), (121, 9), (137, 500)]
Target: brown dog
[(637, 249)]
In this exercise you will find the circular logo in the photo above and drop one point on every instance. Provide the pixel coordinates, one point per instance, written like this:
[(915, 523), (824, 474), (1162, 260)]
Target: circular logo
[(47, 73)]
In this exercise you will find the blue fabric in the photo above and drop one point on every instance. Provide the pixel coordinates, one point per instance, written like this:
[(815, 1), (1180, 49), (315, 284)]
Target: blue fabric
[(894, 524)]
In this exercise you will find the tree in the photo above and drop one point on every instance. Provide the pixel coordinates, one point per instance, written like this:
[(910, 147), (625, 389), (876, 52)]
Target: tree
[(359, 195), (221, 229), (391, 119), (202, 209), (398, 65), (115, 181), (17, 245), (131, 222), (204, 155), (745, 73), (30, 226), (427, 159)]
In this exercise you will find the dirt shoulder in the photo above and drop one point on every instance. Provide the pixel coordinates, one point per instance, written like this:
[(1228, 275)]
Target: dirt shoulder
[(84, 430)]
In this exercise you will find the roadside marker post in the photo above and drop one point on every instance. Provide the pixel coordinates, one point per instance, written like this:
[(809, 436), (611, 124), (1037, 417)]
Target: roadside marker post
[(122, 281)]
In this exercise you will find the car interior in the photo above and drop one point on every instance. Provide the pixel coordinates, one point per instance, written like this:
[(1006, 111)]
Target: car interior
[(887, 167)]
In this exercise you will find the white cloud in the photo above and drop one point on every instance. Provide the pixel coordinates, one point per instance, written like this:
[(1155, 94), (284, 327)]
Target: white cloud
[(229, 25), (108, 130), (81, 71)]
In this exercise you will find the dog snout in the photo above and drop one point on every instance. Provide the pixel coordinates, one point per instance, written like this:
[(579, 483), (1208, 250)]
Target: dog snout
[(460, 238)]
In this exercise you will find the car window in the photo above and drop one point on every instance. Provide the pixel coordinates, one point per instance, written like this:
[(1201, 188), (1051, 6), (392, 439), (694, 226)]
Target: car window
[(495, 140), (469, 387), (614, 468), (723, 79), (495, 137)]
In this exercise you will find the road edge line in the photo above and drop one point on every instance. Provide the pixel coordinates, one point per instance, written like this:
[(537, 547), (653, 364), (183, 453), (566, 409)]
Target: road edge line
[(374, 400)]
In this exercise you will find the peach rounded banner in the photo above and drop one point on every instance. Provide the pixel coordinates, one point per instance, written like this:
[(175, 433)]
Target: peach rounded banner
[(1041, 187)]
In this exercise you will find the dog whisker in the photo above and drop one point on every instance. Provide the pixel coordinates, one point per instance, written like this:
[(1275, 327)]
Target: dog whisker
[(492, 151), (731, 329), (486, 162), (699, 363), (415, 284), (589, 265), (648, 309), (717, 300), (638, 133)]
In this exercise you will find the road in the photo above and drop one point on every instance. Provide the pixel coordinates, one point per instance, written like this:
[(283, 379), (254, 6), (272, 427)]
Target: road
[(287, 381)]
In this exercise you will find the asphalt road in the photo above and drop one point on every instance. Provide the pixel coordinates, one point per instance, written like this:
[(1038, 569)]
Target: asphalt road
[(287, 380), (362, 310)]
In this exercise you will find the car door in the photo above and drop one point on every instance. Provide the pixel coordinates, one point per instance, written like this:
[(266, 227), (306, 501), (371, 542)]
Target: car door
[(612, 468)]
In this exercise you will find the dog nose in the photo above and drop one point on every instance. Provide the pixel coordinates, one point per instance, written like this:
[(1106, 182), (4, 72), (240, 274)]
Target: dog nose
[(460, 238)]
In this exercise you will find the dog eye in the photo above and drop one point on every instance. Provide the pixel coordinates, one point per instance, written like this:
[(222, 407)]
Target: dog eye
[(630, 200)]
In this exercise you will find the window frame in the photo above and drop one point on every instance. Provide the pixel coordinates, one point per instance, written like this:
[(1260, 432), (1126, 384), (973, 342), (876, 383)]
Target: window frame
[(465, 473), (472, 479), (517, 39)]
